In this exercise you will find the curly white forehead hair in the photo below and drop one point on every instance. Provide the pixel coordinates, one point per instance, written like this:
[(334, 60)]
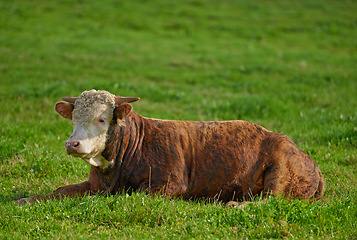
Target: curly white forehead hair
[(91, 100)]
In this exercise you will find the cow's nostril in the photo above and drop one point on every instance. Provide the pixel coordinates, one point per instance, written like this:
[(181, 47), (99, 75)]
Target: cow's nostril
[(73, 145)]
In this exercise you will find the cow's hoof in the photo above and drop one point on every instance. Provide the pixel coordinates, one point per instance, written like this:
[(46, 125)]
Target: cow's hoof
[(232, 204), (23, 201), (236, 204)]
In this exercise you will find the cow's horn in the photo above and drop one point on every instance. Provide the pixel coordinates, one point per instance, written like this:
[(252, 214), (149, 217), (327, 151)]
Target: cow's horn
[(119, 100), (70, 99)]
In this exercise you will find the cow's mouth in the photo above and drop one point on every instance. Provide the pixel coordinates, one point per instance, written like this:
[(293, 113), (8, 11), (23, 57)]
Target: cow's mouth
[(80, 155)]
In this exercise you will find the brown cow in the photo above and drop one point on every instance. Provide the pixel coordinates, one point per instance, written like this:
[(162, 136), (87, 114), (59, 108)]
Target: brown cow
[(225, 160)]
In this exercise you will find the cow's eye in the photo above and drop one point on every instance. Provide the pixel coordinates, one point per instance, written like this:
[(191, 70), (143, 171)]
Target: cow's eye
[(102, 120)]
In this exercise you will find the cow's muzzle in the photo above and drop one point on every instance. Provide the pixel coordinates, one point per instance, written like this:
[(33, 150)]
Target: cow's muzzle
[(72, 147)]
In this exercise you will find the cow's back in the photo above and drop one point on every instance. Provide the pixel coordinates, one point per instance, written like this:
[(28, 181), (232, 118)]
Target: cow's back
[(226, 160)]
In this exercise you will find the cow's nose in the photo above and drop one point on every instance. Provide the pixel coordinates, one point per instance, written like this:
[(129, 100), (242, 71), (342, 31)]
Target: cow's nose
[(72, 147)]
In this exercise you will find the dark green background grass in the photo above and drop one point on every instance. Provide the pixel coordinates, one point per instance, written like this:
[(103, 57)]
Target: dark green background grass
[(289, 66)]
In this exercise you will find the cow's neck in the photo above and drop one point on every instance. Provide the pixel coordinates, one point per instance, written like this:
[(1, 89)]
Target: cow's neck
[(123, 145)]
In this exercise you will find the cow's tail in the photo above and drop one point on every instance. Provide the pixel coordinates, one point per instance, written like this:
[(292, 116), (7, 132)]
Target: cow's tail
[(320, 188)]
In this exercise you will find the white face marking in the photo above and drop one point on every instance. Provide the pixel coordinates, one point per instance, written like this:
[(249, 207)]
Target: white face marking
[(90, 125)]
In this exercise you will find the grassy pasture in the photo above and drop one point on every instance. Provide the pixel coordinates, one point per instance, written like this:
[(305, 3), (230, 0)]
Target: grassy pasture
[(289, 66)]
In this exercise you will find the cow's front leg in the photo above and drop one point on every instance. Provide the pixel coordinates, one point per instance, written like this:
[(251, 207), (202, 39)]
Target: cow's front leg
[(66, 191)]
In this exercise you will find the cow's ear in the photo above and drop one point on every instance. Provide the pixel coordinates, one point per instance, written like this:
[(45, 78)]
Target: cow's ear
[(122, 110), (64, 109)]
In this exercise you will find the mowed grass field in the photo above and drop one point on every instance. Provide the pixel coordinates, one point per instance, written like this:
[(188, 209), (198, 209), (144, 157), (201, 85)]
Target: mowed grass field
[(290, 66)]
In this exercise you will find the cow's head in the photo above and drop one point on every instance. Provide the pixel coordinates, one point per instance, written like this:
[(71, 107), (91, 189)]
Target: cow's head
[(91, 114)]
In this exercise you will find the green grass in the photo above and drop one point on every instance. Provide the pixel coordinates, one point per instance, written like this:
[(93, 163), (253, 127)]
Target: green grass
[(289, 66)]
